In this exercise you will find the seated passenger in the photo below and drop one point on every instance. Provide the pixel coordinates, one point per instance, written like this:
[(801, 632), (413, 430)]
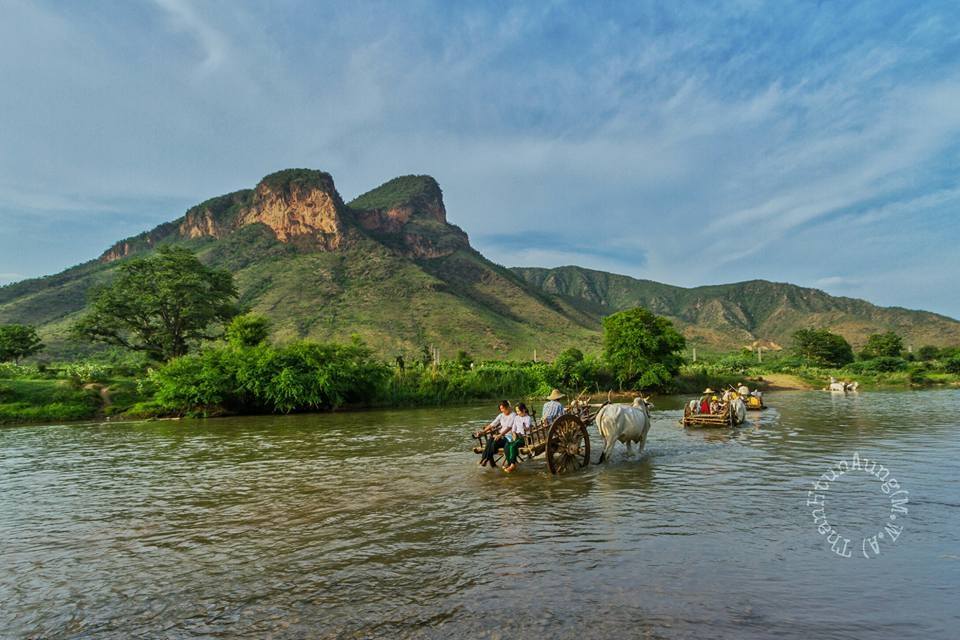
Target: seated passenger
[(705, 400), (552, 409), (715, 406), (515, 439), (502, 425)]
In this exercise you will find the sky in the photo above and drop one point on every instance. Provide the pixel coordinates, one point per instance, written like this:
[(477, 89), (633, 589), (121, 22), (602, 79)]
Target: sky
[(691, 143)]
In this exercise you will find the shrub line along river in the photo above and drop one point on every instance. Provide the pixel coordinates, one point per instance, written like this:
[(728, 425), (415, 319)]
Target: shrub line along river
[(380, 524)]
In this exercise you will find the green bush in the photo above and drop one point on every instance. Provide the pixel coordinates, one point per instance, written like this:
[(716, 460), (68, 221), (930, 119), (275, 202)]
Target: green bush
[(247, 330), (572, 370), (952, 365), (301, 376), (84, 372), (45, 400), (9, 370), (928, 352), (883, 364)]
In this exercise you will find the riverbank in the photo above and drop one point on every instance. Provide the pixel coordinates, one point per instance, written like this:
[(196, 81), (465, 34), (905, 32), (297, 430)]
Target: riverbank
[(26, 401)]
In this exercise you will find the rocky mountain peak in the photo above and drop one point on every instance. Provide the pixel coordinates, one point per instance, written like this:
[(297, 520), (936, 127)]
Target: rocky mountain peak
[(303, 207)]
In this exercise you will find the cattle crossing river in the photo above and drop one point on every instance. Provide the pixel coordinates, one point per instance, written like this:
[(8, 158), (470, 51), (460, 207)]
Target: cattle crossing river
[(380, 524)]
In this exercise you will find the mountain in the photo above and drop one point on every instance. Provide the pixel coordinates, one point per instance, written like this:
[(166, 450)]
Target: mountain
[(386, 266), (730, 316), (389, 267)]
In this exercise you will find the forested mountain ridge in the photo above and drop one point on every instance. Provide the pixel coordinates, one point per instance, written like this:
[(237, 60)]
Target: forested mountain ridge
[(389, 267), (739, 314)]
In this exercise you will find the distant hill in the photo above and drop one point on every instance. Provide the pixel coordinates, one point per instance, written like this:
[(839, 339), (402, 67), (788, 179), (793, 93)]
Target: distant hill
[(744, 313), (389, 267)]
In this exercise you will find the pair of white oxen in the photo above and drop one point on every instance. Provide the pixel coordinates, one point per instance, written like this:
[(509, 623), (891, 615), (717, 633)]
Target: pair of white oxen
[(839, 386), (629, 423)]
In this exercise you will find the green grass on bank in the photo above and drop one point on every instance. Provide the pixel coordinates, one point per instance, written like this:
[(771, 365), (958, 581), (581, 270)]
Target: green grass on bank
[(224, 381), (878, 373), (42, 400)]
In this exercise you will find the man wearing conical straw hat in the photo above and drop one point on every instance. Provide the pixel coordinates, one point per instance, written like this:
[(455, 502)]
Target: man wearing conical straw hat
[(552, 409)]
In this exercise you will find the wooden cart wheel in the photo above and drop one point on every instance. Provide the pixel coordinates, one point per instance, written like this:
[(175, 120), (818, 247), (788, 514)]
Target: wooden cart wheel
[(568, 445)]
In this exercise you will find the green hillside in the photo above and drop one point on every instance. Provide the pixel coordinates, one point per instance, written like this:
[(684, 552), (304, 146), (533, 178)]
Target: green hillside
[(389, 267), (400, 276), (734, 315)]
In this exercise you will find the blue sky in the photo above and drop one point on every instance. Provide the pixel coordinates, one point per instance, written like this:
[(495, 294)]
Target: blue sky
[(691, 143)]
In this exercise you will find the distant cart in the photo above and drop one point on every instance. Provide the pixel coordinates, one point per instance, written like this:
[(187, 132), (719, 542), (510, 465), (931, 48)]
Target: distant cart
[(754, 403), (729, 416), (565, 443)]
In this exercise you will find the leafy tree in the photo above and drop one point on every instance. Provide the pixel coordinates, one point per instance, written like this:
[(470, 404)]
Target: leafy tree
[(928, 352), (880, 345), (643, 349), (161, 304), (248, 330), (18, 341), (822, 347), (567, 367), (953, 365)]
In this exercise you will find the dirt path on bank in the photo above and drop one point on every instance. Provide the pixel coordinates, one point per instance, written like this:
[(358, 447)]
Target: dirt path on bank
[(784, 382)]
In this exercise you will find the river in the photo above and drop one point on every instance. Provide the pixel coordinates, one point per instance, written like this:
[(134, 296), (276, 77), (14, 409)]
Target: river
[(381, 524)]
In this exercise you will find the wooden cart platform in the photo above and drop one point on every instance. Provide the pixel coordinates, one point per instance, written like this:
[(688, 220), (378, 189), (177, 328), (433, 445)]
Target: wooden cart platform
[(723, 419), (565, 442)]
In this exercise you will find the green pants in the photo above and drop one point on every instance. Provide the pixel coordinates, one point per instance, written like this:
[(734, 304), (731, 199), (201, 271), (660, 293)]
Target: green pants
[(512, 449)]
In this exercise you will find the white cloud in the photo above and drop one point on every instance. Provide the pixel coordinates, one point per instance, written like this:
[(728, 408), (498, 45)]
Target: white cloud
[(212, 42)]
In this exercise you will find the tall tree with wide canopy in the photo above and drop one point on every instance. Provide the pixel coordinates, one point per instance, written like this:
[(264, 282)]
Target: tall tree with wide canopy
[(883, 345), (643, 349), (822, 347), (162, 304), (18, 341)]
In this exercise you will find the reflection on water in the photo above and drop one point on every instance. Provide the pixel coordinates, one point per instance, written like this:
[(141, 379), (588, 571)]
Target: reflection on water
[(381, 524)]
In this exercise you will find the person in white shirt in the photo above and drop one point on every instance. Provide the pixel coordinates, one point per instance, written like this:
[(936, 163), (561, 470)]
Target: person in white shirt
[(502, 425), (515, 439)]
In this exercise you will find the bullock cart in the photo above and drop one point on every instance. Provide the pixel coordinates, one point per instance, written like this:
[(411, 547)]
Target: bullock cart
[(565, 443), (754, 403), (727, 417)]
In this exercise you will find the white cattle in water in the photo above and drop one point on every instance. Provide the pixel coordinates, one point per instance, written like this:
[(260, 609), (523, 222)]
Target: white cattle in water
[(843, 387), (738, 409), (623, 423)]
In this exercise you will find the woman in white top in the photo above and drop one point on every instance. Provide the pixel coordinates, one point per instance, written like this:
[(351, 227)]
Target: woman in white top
[(521, 427), (502, 424)]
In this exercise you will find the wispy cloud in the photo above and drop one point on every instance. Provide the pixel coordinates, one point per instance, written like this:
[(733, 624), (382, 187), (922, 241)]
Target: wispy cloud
[(689, 143), (213, 44)]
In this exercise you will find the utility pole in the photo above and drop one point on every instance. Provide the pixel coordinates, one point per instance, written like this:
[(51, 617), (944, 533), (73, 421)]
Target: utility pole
[(760, 355), (694, 354), (534, 355)]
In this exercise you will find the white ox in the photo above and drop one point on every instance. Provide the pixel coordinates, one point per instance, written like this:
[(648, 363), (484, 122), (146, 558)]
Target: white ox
[(623, 423), (738, 409), (840, 386)]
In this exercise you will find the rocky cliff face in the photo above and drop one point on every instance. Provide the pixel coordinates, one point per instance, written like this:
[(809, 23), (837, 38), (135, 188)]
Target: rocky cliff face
[(408, 212), (303, 207)]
